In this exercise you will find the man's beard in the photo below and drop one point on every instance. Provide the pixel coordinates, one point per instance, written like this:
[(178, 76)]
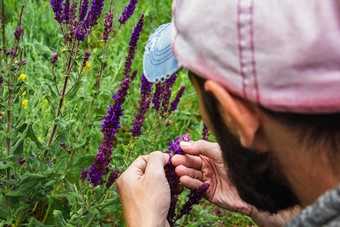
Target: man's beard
[(257, 177)]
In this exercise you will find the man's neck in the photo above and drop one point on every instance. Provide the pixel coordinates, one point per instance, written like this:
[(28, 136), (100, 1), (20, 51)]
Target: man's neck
[(309, 169)]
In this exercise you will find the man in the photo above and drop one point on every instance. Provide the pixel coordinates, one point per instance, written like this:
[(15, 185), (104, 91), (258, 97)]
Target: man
[(267, 75)]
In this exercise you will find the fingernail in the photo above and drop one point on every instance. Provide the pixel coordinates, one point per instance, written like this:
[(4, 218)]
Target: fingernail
[(184, 144)]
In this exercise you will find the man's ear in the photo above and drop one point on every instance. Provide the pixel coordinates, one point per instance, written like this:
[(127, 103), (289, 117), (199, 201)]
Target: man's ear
[(237, 112)]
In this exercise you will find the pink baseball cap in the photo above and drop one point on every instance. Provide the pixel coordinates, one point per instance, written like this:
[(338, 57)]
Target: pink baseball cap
[(281, 54)]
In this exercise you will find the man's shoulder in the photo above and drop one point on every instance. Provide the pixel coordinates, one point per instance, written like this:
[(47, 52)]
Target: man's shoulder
[(325, 212)]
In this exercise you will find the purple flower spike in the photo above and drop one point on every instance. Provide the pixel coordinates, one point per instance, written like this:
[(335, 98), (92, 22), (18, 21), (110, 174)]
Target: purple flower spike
[(109, 128), (86, 58), (21, 161), (146, 86), (171, 176), (72, 14), (112, 178), (174, 104), (128, 11), (108, 21), (168, 123), (194, 198), (81, 34), (18, 33), (66, 11), (83, 10), (144, 105), (205, 132), (133, 44), (166, 95), (54, 58), (57, 6), (94, 13), (83, 174), (157, 97)]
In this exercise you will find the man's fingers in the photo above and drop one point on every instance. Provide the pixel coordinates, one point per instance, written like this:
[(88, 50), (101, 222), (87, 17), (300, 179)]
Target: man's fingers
[(202, 147), (187, 160), (193, 173), (190, 182), (155, 164)]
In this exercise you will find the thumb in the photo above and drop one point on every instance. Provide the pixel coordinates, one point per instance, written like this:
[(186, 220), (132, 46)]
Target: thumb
[(202, 147), (155, 164)]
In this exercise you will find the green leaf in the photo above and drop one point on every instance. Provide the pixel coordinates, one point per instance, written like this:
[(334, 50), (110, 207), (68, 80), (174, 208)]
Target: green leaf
[(26, 184), (19, 144), (54, 95), (74, 91), (34, 138), (59, 219), (5, 166), (35, 223), (82, 163), (60, 205)]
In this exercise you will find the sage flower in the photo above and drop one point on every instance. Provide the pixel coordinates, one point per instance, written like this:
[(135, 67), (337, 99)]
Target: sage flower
[(83, 10), (83, 174), (128, 11), (205, 132), (94, 13), (66, 12), (157, 96), (110, 126), (57, 6), (86, 58), (54, 58), (112, 178), (133, 44), (108, 21), (21, 161), (174, 104), (73, 9), (194, 198)]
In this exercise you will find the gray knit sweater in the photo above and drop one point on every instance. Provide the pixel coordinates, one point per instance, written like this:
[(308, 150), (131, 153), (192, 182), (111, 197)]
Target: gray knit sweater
[(325, 212)]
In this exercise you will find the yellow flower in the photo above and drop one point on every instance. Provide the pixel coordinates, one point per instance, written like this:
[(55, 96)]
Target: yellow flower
[(25, 107), (62, 50), (22, 76), (24, 93), (87, 66), (3, 113), (40, 139), (24, 102), (64, 101)]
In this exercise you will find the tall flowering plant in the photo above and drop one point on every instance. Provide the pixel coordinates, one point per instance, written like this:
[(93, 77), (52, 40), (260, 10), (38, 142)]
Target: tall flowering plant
[(194, 196), (75, 112)]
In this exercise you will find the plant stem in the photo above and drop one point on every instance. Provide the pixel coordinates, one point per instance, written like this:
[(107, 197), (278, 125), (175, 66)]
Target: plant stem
[(46, 214), (91, 204), (8, 141), (3, 30), (69, 65), (91, 105)]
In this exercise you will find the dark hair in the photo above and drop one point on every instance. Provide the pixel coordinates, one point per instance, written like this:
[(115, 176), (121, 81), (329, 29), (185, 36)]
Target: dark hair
[(313, 129), (257, 176)]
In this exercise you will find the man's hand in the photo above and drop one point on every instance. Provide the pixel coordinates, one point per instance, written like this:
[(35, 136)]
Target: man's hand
[(144, 191), (203, 163)]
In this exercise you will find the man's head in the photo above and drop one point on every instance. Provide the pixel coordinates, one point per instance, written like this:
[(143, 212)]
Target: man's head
[(272, 90)]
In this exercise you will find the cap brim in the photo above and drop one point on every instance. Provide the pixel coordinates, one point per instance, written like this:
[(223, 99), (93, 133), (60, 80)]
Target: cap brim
[(159, 60)]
